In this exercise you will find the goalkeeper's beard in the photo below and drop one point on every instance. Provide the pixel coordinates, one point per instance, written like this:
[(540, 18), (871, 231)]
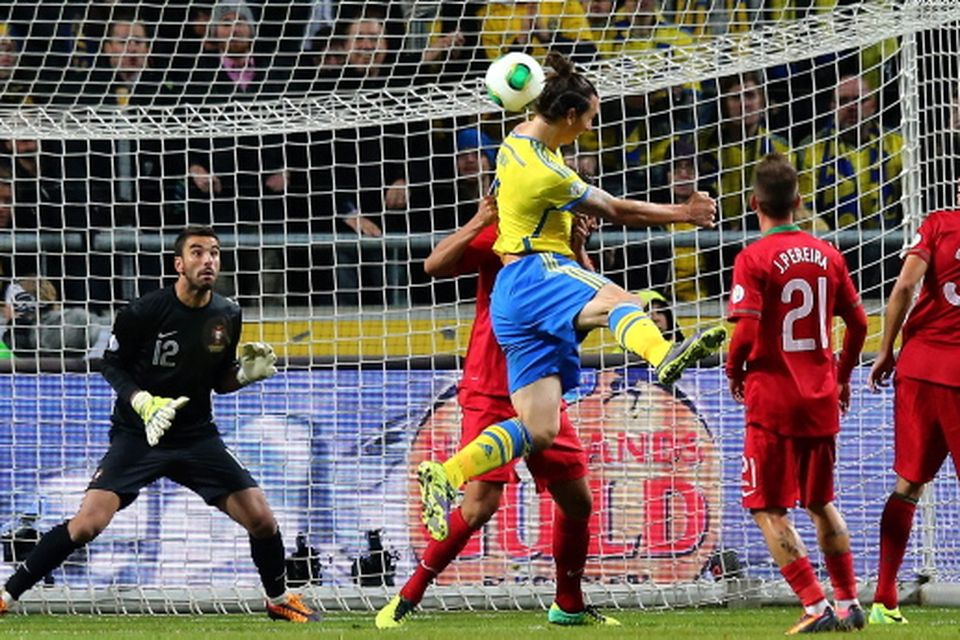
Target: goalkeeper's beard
[(200, 286)]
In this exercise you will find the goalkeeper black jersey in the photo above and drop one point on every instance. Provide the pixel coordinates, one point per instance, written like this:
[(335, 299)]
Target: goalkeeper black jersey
[(162, 346)]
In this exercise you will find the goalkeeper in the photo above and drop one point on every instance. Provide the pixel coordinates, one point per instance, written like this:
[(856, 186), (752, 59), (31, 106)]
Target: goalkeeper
[(168, 351)]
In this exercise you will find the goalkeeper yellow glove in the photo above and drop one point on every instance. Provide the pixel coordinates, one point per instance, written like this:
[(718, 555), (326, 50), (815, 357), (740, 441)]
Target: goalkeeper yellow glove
[(257, 362), (157, 413)]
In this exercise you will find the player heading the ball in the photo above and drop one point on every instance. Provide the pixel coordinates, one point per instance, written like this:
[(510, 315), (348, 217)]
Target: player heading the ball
[(543, 302)]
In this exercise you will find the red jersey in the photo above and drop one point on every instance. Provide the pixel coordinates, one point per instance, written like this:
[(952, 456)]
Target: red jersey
[(795, 284), (930, 348), (485, 367)]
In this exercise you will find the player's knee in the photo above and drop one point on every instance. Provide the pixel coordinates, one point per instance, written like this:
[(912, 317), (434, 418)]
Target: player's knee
[(770, 517), (83, 529), (909, 490), (543, 435), (578, 507), (261, 524)]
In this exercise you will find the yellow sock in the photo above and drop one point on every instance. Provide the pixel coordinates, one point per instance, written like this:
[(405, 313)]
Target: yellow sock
[(497, 445), (636, 332)]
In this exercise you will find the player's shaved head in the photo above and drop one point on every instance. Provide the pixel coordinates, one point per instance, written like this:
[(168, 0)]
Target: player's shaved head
[(775, 186), (192, 231)]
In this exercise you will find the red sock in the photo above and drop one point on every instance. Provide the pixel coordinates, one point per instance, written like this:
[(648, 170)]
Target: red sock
[(895, 525), (840, 568), (571, 538), (803, 581), (437, 556)]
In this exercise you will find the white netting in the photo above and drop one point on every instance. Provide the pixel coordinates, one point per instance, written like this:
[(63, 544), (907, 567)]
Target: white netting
[(331, 151)]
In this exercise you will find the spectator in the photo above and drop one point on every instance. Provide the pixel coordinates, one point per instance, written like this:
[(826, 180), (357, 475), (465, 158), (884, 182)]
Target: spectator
[(941, 148), (233, 71), (13, 90), (40, 326), (585, 163), (363, 53), (139, 175), (682, 180), (850, 170), (454, 34), (647, 122), (364, 177), (604, 25), (733, 148), (52, 190), (239, 183), (658, 308), (536, 27)]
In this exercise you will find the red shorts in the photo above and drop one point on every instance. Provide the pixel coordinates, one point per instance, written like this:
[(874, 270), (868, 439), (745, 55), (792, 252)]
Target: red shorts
[(926, 428), (564, 461), (780, 471)]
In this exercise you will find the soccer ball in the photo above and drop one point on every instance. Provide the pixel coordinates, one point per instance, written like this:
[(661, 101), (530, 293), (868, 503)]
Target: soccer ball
[(514, 81)]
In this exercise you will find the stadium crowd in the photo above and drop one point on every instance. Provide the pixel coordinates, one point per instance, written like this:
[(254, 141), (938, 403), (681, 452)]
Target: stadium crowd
[(833, 115)]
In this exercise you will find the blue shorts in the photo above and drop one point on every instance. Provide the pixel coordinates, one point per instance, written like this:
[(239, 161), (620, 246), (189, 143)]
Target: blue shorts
[(534, 305)]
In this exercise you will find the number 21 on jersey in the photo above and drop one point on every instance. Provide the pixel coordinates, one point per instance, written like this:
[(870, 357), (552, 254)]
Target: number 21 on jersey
[(810, 303)]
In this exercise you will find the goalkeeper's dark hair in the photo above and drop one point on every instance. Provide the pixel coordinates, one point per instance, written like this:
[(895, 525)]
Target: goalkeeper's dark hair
[(564, 89), (775, 186), (192, 231)]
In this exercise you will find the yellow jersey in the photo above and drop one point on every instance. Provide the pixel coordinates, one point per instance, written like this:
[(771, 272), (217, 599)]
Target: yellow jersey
[(536, 192), (503, 22)]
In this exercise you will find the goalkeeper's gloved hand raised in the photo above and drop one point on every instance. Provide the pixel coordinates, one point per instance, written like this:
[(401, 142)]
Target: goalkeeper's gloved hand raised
[(257, 362), (157, 413)]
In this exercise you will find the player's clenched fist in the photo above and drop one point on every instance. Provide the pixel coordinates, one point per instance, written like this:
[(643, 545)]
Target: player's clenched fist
[(157, 413), (257, 362), (701, 209)]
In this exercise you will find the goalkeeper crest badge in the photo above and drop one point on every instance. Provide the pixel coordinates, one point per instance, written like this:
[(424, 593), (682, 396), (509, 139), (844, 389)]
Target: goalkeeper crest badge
[(217, 338)]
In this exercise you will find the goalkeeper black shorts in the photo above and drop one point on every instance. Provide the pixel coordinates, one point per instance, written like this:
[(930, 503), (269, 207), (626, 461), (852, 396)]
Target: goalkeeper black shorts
[(205, 466)]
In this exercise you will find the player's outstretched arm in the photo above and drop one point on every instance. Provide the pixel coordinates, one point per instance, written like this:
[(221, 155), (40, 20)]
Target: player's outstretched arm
[(901, 298), (444, 260), (700, 210)]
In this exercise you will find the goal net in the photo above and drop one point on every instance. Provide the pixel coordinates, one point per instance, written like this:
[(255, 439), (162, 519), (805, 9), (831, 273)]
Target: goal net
[(332, 144)]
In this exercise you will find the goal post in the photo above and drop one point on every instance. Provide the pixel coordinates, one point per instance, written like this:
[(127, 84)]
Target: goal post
[(331, 153)]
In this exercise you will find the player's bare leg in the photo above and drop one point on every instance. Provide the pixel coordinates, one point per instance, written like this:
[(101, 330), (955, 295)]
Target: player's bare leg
[(895, 526), (250, 510), (571, 539), (480, 501), (834, 540), (95, 513), (789, 553)]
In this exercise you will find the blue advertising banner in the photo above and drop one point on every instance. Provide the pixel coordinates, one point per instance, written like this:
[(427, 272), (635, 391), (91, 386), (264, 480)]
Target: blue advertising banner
[(335, 452)]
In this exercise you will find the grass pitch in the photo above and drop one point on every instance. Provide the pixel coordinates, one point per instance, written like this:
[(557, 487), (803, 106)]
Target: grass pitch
[(738, 624)]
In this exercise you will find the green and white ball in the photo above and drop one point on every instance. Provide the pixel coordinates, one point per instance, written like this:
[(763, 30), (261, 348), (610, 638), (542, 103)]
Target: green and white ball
[(514, 81)]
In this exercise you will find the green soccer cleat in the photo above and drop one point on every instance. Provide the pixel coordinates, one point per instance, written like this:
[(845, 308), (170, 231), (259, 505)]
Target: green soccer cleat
[(696, 347), (879, 614), (588, 617), (394, 613), (437, 496)]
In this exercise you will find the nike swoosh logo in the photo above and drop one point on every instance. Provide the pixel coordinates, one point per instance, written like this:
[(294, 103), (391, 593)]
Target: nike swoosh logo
[(167, 334)]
